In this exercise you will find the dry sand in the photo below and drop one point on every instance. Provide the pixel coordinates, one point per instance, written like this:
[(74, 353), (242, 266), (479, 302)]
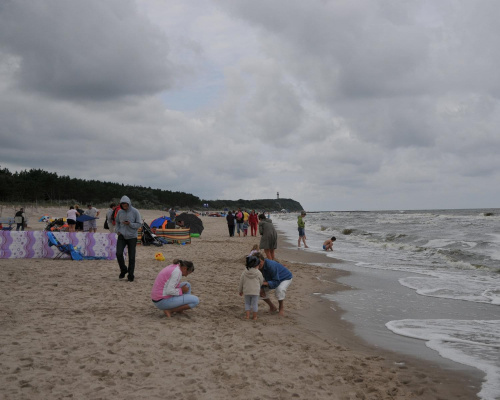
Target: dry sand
[(71, 329)]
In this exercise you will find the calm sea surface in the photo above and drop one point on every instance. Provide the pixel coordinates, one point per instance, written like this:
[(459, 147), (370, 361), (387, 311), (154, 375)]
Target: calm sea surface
[(451, 256)]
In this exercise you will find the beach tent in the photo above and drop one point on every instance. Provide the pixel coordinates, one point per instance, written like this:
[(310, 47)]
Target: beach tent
[(160, 223), (190, 221)]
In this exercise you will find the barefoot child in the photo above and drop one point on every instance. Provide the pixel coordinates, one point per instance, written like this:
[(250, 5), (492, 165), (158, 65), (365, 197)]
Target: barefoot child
[(250, 282), (328, 244)]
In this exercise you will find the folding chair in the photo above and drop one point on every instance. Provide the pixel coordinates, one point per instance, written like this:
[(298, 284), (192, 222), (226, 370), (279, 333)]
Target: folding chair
[(63, 248)]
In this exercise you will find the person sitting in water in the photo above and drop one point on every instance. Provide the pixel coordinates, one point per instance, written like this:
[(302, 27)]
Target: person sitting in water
[(328, 245), (169, 293)]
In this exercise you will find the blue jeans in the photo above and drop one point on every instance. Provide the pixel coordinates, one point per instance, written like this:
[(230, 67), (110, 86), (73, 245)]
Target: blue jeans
[(121, 243), (177, 301), (239, 227)]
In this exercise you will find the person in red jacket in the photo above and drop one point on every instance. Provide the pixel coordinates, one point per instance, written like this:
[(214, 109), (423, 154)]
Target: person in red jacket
[(253, 220)]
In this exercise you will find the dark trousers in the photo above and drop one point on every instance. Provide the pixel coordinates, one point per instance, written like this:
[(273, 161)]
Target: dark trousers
[(121, 243), (20, 226), (231, 230)]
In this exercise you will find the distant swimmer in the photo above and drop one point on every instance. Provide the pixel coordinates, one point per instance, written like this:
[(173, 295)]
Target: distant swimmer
[(328, 245)]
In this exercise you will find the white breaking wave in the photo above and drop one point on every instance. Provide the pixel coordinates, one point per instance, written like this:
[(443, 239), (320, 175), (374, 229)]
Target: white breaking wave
[(469, 342)]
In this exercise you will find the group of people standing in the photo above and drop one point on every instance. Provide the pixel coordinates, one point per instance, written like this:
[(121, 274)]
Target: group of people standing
[(75, 211), (241, 220)]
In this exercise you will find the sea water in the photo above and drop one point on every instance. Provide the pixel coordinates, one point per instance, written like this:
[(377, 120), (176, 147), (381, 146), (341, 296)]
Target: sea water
[(449, 259)]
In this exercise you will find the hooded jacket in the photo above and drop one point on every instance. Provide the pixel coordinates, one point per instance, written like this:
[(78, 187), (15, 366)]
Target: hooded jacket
[(131, 215), (250, 282)]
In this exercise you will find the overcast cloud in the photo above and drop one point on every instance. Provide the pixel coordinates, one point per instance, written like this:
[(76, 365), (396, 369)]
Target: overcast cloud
[(341, 105)]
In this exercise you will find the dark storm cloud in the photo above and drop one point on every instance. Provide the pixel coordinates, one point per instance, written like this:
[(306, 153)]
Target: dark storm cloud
[(89, 50), (349, 103)]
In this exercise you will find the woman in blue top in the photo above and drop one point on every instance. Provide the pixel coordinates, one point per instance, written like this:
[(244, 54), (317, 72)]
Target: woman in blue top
[(277, 277)]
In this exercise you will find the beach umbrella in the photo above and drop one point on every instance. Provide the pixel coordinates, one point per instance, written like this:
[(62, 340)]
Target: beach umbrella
[(190, 221)]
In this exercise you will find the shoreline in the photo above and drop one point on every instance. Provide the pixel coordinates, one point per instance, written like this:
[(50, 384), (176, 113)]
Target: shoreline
[(342, 331), (71, 328)]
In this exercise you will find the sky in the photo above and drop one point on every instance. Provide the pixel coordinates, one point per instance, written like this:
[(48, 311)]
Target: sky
[(340, 105)]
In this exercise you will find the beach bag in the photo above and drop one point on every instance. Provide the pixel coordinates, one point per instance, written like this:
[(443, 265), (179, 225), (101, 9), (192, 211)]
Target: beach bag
[(106, 226)]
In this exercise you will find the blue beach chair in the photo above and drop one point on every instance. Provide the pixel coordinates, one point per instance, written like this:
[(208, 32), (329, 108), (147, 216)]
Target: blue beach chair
[(69, 249), (63, 248)]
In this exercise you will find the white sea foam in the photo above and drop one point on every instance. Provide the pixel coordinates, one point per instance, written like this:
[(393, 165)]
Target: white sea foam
[(469, 342), (479, 289), (494, 248), (443, 243)]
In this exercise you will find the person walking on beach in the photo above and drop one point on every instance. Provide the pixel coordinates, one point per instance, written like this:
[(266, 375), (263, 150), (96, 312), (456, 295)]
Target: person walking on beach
[(230, 223), (19, 219), (251, 281), (71, 216), (328, 244), (253, 220), (171, 295), (301, 226), (239, 221), (245, 222), (128, 221), (277, 277), (269, 238)]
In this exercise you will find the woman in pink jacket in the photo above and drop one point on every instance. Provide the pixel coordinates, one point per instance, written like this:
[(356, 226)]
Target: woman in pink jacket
[(169, 293)]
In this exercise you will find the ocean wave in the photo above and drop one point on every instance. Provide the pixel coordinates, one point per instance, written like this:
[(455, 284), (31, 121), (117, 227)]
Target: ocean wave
[(470, 342)]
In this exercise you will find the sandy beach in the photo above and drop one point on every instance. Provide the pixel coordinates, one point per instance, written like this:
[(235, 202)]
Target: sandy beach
[(72, 329)]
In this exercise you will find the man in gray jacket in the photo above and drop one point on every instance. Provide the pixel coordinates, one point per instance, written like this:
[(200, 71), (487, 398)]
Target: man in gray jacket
[(128, 221)]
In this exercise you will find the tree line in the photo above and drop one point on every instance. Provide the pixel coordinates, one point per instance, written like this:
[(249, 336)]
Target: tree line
[(39, 186), (42, 187)]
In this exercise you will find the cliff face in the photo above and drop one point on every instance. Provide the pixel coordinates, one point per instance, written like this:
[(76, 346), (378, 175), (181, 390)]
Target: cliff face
[(258, 205)]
